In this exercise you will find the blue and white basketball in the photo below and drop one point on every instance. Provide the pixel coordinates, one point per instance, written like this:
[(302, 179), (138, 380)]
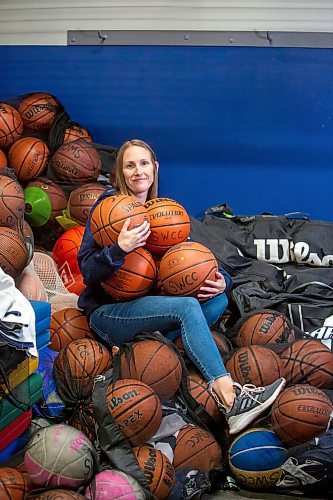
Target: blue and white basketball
[(256, 457)]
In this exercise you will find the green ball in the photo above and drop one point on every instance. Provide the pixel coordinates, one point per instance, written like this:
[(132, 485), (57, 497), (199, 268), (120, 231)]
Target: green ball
[(37, 206)]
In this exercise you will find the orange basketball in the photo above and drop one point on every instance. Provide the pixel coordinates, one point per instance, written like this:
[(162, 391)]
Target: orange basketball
[(136, 408), (82, 199), (169, 224), (198, 388), (76, 162), (38, 110), (67, 247), (13, 252), (74, 132), (28, 157), (11, 125), (264, 328), (66, 325), (134, 278), (11, 201), (13, 484), (158, 470), (110, 214), (185, 267), (3, 160), (56, 194)]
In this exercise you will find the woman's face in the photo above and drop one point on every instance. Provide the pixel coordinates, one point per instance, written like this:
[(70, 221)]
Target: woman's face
[(138, 170)]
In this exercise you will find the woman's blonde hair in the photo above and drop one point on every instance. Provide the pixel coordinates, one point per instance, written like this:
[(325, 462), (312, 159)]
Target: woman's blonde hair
[(119, 175)]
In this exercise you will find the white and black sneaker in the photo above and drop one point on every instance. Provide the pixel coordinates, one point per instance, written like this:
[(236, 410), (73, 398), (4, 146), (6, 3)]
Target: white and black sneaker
[(249, 403)]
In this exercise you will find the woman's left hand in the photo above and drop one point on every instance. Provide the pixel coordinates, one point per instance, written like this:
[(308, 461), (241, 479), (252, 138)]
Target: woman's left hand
[(212, 288)]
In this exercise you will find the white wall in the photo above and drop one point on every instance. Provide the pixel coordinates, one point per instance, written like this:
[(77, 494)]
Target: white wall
[(45, 22)]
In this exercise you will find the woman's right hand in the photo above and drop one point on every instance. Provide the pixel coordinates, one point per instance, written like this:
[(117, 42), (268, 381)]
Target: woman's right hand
[(129, 239)]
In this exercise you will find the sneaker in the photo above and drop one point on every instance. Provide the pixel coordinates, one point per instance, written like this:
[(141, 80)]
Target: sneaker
[(249, 403)]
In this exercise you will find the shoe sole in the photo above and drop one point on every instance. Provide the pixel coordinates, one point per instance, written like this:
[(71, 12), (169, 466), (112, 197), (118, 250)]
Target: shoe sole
[(250, 417)]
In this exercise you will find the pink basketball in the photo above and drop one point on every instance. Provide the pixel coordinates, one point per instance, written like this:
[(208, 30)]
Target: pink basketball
[(114, 484)]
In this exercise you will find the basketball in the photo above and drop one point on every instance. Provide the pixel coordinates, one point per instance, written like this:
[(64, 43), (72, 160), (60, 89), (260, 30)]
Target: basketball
[(256, 457), (56, 194), (264, 328), (13, 252), (66, 325), (58, 494), (135, 407), (38, 110), (300, 413), (169, 224), (134, 278), (185, 267), (157, 469), (76, 366), (255, 364), (11, 201), (3, 160), (198, 388), (308, 361), (76, 162), (113, 485), (82, 199), (109, 215), (59, 455), (13, 484), (67, 247), (155, 364), (74, 132), (222, 343), (38, 209), (28, 158), (198, 449), (11, 125)]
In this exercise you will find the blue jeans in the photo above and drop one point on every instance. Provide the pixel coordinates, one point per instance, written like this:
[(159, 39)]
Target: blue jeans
[(119, 323)]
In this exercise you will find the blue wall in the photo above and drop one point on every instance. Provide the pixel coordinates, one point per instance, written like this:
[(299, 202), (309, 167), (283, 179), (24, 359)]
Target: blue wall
[(252, 127)]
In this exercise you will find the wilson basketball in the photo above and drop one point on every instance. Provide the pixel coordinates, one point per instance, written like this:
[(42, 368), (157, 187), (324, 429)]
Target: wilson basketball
[(109, 215), (74, 132), (38, 110), (59, 455), (114, 485), (136, 408), (56, 194), (66, 325), (264, 328), (11, 201), (308, 361), (13, 252), (82, 199), (3, 160), (198, 388), (76, 366), (185, 267), (11, 125), (58, 494), (158, 470), (198, 449), (169, 224), (255, 364), (300, 413), (76, 162), (28, 157), (134, 278), (154, 363), (13, 484)]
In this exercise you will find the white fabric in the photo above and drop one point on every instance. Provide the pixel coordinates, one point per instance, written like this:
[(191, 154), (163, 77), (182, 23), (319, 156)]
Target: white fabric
[(17, 313)]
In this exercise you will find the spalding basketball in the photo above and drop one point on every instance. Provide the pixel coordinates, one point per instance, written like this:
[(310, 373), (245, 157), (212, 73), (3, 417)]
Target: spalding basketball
[(56, 194), (11, 125), (3, 160), (114, 485), (77, 162), (154, 363), (300, 413), (198, 449), (136, 408), (38, 110), (134, 278), (185, 267), (76, 131), (59, 455), (13, 484), (264, 328), (13, 252), (169, 224), (256, 457), (28, 158), (66, 325), (109, 215), (82, 199), (11, 201), (308, 361), (158, 470)]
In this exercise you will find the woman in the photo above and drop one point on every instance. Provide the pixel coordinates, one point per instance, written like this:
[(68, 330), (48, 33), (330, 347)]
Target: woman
[(119, 322)]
